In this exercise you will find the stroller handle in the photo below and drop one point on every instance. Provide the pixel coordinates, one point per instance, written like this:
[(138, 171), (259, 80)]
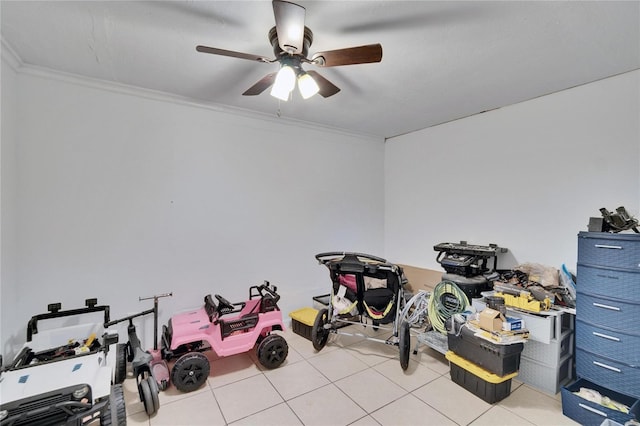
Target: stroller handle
[(323, 257)]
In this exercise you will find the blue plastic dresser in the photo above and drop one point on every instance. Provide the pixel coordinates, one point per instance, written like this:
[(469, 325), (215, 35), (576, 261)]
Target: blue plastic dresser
[(607, 326)]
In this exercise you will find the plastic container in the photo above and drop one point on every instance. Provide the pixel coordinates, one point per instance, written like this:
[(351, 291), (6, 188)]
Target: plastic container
[(496, 303), (587, 412), (302, 321), (497, 359), (548, 379), (482, 383)]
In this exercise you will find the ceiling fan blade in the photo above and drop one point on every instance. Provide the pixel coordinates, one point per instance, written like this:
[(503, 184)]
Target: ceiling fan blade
[(349, 56), (261, 85), (289, 25), (231, 53), (327, 88)]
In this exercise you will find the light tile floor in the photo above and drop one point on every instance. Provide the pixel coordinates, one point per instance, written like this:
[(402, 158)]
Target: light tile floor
[(352, 381)]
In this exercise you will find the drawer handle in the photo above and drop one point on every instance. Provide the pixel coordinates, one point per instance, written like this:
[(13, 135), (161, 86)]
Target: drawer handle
[(606, 336), (593, 410), (600, 305), (608, 367), (610, 277), (604, 246)]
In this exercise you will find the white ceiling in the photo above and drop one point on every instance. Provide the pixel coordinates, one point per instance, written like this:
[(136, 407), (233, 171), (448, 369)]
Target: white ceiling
[(442, 60)]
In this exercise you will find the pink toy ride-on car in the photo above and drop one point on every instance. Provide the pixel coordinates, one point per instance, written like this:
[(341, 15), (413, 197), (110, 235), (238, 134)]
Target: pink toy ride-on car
[(226, 328)]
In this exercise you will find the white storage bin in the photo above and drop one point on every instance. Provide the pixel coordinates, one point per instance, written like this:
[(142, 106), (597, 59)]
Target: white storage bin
[(548, 379)]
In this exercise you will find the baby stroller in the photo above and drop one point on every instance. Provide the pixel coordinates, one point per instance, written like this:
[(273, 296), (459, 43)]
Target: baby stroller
[(365, 290)]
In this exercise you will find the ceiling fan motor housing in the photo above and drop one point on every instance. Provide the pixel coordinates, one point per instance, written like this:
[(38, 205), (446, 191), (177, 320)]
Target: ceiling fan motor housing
[(277, 50)]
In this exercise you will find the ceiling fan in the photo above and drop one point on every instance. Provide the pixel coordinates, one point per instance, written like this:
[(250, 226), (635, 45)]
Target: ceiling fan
[(291, 40)]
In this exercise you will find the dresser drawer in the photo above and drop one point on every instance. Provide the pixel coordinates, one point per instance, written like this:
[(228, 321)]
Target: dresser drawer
[(612, 344), (608, 373), (608, 282), (588, 412), (611, 250), (608, 312)]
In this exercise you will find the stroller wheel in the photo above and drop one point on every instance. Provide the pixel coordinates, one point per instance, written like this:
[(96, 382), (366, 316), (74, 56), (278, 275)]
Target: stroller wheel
[(404, 344), (319, 334)]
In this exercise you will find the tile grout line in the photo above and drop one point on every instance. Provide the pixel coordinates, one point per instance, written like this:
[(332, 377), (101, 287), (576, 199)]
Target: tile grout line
[(284, 400)]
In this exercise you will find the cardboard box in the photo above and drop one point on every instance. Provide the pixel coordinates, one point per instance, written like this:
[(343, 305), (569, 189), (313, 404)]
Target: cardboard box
[(420, 278), (491, 320)]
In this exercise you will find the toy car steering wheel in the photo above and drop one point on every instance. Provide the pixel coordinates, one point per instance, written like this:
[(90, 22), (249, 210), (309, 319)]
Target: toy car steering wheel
[(224, 302)]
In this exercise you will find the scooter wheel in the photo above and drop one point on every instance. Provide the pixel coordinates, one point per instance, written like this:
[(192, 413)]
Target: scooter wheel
[(163, 385), (147, 397), (155, 392)]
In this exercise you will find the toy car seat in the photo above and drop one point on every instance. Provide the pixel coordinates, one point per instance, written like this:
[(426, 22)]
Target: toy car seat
[(210, 307)]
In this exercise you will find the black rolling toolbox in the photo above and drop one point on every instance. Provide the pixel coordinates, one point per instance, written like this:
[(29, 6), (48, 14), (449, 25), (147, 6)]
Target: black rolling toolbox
[(498, 359)]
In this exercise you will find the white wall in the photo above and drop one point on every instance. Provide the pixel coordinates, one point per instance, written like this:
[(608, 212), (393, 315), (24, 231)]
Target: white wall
[(109, 194), (121, 196), (8, 187), (526, 177)]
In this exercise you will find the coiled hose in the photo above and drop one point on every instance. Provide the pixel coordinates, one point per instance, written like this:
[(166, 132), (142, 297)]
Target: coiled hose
[(419, 302), (442, 308)]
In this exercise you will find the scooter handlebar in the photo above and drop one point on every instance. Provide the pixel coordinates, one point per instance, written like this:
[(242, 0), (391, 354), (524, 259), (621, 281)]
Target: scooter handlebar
[(157, 296)]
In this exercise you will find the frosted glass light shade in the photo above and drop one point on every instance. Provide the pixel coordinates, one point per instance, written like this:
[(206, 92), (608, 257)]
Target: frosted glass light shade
[(284, 84), (307, 86)]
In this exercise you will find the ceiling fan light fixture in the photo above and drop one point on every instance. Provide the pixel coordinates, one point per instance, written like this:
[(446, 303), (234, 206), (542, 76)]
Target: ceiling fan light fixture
[(290, 40), (307, 85), (284, 84)]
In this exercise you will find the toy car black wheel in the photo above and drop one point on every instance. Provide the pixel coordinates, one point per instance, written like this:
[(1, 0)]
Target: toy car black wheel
[(120, 372), (272, 351), (404, 344), (115, 413), (147, 397), (319, 334), (190, 371)]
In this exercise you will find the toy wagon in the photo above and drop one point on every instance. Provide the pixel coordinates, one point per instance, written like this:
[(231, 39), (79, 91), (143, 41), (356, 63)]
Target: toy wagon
[(365, 290)]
